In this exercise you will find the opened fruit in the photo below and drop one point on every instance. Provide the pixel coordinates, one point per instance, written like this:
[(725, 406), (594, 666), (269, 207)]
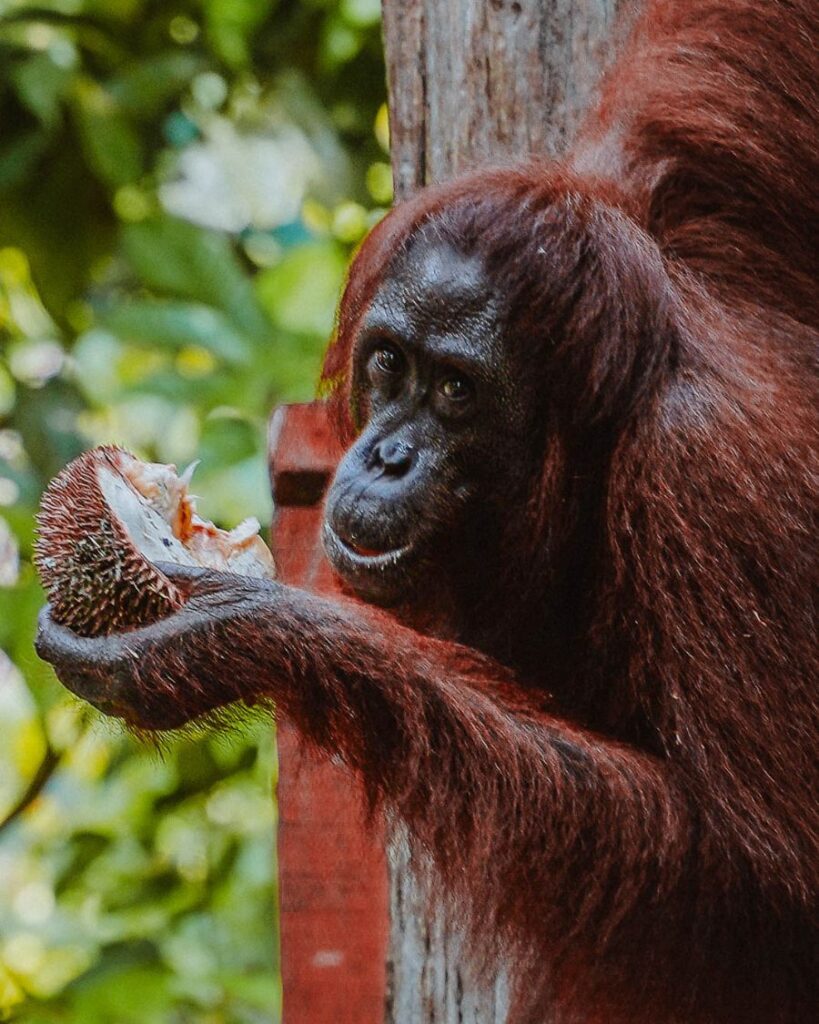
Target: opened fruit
[(103, 523)]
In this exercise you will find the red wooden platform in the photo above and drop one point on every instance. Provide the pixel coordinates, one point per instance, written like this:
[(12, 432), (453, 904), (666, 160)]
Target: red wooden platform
[(332, 871)]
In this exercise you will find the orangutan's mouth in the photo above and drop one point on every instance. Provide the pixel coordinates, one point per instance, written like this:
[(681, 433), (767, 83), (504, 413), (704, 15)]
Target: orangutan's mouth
[(351, 558)]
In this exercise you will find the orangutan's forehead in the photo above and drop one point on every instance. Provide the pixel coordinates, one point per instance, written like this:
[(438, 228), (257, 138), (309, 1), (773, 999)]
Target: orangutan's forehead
[(431, 277)]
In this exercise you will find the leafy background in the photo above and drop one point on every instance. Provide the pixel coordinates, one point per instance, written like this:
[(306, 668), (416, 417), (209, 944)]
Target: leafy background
[(181, 184)]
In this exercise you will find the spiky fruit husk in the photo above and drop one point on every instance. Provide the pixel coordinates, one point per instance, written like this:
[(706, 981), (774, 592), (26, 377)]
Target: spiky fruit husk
[(97, 581)]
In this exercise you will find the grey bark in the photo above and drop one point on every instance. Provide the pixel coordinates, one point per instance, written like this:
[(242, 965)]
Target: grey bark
[(429, 978), (473, 82)]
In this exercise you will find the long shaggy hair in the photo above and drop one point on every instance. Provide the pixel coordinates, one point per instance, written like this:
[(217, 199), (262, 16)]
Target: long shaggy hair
[(658, 578)]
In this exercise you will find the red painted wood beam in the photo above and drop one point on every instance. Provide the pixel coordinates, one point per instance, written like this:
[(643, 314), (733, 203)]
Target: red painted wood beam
[(332, 872)]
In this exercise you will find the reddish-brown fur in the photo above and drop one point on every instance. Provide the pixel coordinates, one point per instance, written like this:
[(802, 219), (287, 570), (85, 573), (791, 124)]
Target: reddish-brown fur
[(614, 773), (679, 250)]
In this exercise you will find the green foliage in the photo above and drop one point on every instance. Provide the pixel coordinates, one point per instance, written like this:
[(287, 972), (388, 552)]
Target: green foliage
[(181, 185)]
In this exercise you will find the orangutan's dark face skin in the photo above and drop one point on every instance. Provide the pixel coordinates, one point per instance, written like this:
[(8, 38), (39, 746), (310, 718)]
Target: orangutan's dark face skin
[(441, 408)]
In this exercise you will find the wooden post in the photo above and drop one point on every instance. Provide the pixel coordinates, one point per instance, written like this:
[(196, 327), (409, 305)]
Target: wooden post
[(470, 82), (473, 82), (488, 81)]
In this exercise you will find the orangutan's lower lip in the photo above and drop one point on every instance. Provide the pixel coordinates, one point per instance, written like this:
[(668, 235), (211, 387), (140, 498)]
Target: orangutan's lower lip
[(363, 552), (358, 558)]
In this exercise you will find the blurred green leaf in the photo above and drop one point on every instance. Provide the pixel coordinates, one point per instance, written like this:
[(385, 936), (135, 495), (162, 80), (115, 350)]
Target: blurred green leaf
[(227, 439), (112, 146), (302, 291), (108, 995), (230, 24), (177, 258), (41, 85), (19, 607), (176, 325), (18, 158), (146, 87)]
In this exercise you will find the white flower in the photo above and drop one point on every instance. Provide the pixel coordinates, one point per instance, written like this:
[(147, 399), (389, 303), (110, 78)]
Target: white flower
[(234, 180)]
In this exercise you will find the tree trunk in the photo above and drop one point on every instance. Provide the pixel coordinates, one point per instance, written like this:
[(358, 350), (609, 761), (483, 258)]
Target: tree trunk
[(477, 81), (473, 82)]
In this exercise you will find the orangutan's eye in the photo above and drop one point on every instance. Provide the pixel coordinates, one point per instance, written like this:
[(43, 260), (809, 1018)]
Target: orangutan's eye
[(386, 361), (456, 388)]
